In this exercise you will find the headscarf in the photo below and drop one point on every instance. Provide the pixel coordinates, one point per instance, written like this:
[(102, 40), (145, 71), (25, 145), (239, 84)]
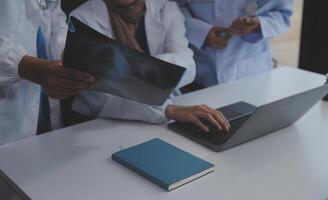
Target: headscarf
[(124, 20)]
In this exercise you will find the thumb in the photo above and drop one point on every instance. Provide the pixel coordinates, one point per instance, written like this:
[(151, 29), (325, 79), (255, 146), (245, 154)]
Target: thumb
[(250, 21)]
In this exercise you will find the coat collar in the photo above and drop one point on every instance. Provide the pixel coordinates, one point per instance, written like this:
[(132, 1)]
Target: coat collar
[(155, 30)]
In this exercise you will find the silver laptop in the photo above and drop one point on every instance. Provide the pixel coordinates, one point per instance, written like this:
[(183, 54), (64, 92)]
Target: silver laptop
[(249, 122)]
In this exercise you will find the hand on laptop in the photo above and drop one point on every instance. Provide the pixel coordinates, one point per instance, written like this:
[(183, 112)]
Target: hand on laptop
[(195, 114)]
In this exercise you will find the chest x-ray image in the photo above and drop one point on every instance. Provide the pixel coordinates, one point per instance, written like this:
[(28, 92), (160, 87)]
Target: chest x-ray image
[(121, 71)]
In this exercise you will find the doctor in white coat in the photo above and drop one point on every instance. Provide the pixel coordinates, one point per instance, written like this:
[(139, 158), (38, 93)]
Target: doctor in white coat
[(231, 38), (21, 73), (164, 35)]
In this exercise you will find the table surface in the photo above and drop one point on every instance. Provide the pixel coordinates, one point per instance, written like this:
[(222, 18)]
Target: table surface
[(290, 164)]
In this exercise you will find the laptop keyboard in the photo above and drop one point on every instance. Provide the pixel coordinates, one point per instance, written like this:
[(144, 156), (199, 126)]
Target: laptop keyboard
[(219, 137), (215, 136), (228, 113)]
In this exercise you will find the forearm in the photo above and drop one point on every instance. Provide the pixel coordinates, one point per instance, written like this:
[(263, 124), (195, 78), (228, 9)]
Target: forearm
[(197, 29), (102, 105), (30, 68), (197, 32), (273, 24)]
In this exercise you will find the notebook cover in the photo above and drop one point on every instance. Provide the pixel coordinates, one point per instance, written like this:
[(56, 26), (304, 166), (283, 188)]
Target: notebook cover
[(161, 162)]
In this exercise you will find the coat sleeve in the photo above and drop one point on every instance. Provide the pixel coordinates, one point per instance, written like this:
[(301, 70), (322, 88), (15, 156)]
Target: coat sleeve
[(176, 45), (10, 56), (102, 105), (197, 30), (58, 33), (273, 22)]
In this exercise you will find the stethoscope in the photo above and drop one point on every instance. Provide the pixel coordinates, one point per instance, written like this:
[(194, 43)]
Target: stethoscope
[(47, 4)]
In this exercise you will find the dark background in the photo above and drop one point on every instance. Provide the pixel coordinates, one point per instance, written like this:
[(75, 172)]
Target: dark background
[(314, 42)]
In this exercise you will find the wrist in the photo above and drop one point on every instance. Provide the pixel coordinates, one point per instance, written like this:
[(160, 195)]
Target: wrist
[(207, 40), (257, 27), (170, 109), (30, 68)]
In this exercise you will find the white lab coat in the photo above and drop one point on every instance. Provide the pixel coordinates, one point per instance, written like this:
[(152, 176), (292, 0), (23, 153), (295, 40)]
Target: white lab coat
[(244, 56), (19, 99), (165, 31)]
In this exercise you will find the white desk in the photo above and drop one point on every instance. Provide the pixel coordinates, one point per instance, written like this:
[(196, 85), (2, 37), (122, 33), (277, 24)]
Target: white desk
[(74, 163)]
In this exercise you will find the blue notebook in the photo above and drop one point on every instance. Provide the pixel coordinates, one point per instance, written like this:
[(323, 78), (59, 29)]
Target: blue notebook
[(164, 164)]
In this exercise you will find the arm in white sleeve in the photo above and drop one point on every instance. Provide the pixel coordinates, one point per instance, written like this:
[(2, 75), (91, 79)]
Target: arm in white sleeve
[(277, 20), (102, 105), (176, 46), (10, 56), (197, 30), (58, 33)]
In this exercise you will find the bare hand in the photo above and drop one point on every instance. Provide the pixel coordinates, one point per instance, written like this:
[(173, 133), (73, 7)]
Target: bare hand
[(218, 38), (58, 81), (195, 114), (245, 25)]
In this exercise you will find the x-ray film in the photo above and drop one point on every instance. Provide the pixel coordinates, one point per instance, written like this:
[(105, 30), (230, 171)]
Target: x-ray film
[(121, 71)]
